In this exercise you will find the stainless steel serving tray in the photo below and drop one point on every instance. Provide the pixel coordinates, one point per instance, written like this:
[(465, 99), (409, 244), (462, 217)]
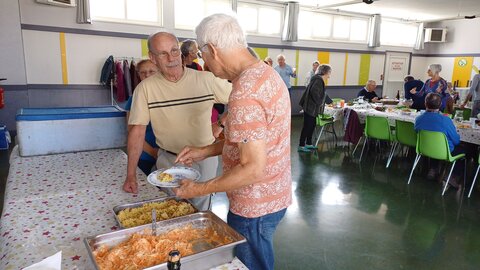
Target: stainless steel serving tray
[(205, 258), (121, 207)]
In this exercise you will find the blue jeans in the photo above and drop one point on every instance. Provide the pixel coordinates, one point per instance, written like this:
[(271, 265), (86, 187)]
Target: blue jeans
[(257, 252)]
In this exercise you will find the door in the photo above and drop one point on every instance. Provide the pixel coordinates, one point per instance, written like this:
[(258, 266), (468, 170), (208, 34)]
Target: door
[(396, 68)]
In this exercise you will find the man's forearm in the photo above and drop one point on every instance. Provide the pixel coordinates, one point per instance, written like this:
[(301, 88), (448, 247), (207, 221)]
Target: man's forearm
[(134, 148), (214, 149)]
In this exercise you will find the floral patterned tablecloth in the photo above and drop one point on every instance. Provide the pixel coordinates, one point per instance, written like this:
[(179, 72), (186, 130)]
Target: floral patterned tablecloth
[(469, 135), (53, 202)]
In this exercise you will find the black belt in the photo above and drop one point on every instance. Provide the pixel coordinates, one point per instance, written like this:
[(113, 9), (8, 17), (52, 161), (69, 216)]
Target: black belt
[(170, 152)]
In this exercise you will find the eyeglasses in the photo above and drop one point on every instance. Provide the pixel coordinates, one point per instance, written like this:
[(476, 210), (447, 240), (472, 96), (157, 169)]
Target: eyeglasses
[(174, 53)]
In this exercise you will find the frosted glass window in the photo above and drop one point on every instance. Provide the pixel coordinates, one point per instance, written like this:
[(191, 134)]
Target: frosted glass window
[(358, 30), (127, 11), (341, 27)]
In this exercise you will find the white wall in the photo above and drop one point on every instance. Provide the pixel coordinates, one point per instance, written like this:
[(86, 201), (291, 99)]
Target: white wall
[(463, 37), (11, 53)]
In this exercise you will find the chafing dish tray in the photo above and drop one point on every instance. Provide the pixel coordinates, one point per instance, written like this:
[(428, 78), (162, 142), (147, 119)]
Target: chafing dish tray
[(205, 256), (118, 208)]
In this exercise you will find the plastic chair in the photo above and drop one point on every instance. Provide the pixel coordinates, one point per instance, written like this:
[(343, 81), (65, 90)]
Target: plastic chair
[(405, 134), (377, 127), (325, 120), (475, 177), (434, 144)]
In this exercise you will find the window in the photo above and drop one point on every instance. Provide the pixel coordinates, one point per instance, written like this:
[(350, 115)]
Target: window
[(261, 19), (316, 25), (189, 13), (127, 11), (398, 33)]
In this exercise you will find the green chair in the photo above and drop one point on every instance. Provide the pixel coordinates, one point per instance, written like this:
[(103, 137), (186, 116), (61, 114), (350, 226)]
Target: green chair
[(336, 100), (434, 144), (404, 134), (325, 120), (377, 127), (475, 177)]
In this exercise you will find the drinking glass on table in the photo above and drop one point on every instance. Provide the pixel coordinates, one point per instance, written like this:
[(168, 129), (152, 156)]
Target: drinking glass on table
[(458, 116)]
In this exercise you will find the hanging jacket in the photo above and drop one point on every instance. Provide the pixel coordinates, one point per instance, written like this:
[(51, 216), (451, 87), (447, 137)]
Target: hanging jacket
[(106, 75), (119, 82), (313, 99), (127, 79), (134, 75), (353, 129)]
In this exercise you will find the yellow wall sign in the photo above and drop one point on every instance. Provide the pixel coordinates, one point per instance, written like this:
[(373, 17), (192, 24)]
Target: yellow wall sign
[(462, 70)]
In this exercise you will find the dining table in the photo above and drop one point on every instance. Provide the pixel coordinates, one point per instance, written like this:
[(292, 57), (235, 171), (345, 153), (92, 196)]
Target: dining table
[(467, 132)]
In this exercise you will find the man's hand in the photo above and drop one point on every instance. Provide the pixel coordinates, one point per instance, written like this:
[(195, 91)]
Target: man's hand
[(130, 185), (413, 91), (375, 99), (191, 154)]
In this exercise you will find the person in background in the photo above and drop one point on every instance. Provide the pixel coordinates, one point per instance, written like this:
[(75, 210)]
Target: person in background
[(285, 71), (190, 53), (433, 120), (368, 92), (312, 72), (145, 68), (411, 83), (256, 150), (313, 102), (269, 61), (474, 95), (178, 102), (450, 100), (435, 84)]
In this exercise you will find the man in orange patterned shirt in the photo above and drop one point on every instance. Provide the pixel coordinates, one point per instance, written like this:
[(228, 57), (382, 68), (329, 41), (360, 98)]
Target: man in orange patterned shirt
[(256, 149)]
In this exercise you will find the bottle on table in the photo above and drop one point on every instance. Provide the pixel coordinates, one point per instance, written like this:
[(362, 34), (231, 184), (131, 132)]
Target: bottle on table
[(398, 95), (173, 262)]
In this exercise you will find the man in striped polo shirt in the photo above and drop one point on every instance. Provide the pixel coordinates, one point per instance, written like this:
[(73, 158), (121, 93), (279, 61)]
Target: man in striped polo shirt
[(178, 102)]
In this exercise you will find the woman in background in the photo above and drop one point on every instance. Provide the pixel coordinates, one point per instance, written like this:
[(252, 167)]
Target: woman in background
[(435, 84), (313, 102), (190, 53), (148, 158)]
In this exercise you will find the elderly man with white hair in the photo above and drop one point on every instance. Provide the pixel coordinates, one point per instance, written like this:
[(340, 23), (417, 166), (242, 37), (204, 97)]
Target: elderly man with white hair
[(285, 71), (435, 84), (368, 92), (256, 150)]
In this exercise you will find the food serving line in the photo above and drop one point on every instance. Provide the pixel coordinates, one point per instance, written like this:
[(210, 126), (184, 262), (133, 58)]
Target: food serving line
[(464, 129), (53, 202)]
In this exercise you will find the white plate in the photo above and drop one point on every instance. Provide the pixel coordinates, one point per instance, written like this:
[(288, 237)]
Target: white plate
[(178, 173)]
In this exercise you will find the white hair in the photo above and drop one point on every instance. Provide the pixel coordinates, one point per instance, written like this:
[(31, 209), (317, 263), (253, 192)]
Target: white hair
[(280, 56), (435, 68), (371, 82), (221, 30)]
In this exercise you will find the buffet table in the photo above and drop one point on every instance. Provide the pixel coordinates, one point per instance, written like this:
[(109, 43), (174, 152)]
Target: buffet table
[(467, 134), (53, 202)]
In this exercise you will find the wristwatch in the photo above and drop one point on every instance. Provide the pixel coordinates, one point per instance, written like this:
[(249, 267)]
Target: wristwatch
[(219, 123)]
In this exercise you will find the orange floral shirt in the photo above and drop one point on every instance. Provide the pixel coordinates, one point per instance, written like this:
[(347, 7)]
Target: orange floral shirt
[(259, 109)]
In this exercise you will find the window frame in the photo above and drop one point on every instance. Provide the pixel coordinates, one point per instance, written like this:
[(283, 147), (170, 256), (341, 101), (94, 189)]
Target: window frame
[(158, 23), (332, 26), (187, 28), (398, 22)]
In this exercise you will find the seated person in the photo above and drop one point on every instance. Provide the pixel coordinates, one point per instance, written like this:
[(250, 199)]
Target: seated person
[(412, 84), (433, 120), (368, 92), (148, 158)]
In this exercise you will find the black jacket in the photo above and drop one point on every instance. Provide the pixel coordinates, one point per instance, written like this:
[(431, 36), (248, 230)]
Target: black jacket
[(313, 99)]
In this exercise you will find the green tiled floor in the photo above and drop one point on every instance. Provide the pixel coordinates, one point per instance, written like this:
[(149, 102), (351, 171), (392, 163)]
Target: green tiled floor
[(351, 216)]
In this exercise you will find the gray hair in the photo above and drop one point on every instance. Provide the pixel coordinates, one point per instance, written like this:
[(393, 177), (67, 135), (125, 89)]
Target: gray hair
[(435, 68), (186, 47), (315, 62), (280, 56), (369, 82), (152, 36), (268, 58), (324, 69), (221, 30)]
